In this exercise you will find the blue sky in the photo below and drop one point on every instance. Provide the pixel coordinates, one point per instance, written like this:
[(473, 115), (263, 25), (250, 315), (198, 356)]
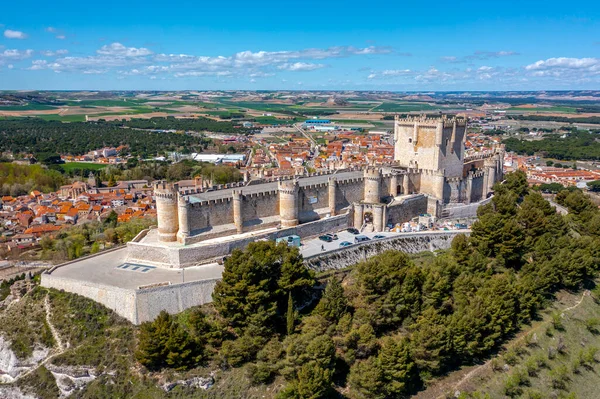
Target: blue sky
[(374, 45)]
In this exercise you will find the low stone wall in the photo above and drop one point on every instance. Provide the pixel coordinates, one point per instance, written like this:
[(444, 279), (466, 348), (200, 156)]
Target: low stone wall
[(409, 243), (138, 305), (172, 298), (122, 301)]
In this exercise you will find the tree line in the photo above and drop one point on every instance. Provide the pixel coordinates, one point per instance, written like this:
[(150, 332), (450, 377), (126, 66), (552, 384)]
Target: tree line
[(33, 136), (578, 144)]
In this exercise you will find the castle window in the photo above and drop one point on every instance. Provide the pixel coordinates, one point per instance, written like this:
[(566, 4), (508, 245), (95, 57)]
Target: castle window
[(409, 140)]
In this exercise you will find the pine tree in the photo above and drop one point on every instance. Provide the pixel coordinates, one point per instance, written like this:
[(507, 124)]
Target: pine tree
[(334, 304), (290, 314)]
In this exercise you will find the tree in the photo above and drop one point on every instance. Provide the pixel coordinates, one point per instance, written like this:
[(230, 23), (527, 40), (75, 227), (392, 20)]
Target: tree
[(399, 371), (390, 288), (111, 181), (594, 186), (256, 284), (290, 314), (164, 343), (334, 304)]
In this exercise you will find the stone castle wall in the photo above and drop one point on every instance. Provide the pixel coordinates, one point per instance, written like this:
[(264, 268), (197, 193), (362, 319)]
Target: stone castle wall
[(122, 301), (405, 210)]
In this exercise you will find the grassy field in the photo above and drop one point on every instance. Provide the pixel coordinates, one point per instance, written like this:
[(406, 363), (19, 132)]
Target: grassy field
[(558, 356), (562, 110), (271, 120), (62, 118), (68, 166), (403, 107), (29, 107)]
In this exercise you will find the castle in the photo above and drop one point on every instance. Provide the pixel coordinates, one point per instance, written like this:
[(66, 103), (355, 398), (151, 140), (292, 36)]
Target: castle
[(430, 171), (176, 265)]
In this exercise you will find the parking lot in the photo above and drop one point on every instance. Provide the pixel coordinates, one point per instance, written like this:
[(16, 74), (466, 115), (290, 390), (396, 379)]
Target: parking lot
[(313, 246), (316, 246)]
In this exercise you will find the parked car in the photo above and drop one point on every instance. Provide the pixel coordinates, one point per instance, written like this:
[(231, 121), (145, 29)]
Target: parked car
[(325, 238), (345, 244), (333, 236), (361, 239), (352, 230), (378, 236)]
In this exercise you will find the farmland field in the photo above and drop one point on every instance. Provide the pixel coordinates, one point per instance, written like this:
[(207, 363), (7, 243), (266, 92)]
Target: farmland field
[(82, 165), (564, 110), (403, 107)]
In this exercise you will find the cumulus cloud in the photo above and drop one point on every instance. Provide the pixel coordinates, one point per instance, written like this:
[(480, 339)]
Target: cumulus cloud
[(566, 69), (390, 73), (51, 53), (300, 66), (142, 61), (119, 50), (14, 34), (478, 56), (13, 55)]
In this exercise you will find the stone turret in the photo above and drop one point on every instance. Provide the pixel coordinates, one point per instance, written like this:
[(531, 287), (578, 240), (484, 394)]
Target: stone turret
[(288, 202), (184, 223), (372, 185), (332, 195), (166, 210), (238, 217)]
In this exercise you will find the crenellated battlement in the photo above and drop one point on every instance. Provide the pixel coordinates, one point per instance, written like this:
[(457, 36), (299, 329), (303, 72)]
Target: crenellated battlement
[(432, 122)]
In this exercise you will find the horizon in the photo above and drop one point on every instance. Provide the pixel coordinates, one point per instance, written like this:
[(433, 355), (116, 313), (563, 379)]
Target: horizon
[(468, 47)]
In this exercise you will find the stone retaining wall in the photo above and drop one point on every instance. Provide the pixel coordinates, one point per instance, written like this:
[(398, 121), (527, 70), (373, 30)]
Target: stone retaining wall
[(409, 243)]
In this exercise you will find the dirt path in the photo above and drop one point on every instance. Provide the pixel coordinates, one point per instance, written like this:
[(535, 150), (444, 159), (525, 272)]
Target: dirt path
[(59, 343), (55, 334)]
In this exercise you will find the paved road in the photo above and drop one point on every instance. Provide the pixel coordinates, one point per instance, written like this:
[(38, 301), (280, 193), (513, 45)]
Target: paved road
[(313, 247)]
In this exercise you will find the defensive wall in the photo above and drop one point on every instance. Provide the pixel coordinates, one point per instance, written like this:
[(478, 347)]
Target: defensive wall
[(203, 252), (409, 243), (142, 304), (145, 303)]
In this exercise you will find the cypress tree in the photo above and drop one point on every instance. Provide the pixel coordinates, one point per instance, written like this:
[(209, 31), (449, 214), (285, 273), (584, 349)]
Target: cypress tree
[(290, 314)]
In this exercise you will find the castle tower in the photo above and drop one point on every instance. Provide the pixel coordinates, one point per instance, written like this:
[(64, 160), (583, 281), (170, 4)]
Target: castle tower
[(394, 185), (372, 185), (430, 143), (358, 215), (490, 165), (166, 210), (332, 191), (184, 226), (238, 217), (288, 202)]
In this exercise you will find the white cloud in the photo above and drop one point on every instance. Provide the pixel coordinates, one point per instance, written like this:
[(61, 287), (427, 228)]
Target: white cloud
[(50, 53), (564, 62), (10, 66), (478, 56), (119, 50), (300, 66), (61, 37), (51, 29), (14, 34), (12, 55), (142, 61), (565, 68), (390, 73)]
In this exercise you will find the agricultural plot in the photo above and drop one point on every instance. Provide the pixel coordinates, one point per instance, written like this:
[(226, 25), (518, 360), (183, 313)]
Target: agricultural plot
[(404, 107), (69, 166), (558, 109)]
